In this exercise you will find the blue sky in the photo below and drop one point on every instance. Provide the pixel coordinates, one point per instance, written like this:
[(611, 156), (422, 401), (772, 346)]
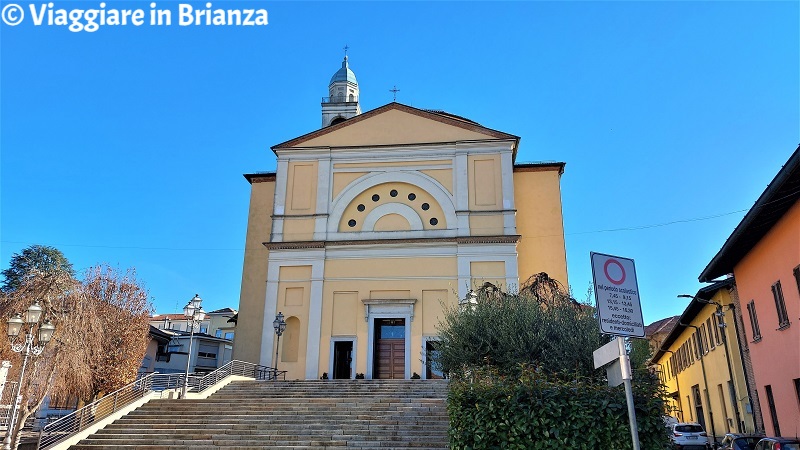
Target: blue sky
[(128, 145)]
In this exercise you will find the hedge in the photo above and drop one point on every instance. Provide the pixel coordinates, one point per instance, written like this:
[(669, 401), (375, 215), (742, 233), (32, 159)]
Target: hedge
[(539, 411)]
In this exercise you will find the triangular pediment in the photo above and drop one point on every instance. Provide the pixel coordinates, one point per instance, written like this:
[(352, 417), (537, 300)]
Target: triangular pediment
[(396, 124)]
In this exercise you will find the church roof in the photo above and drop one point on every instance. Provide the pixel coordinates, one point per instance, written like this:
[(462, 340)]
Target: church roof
[(454, 116), (344, 74), (472, 128)]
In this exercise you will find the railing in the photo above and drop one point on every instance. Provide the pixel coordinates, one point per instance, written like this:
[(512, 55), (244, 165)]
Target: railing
[(92, 413), (5, 403), (340, 99)]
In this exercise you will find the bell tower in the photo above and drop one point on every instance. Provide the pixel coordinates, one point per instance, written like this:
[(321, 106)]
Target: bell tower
[(342, 102)]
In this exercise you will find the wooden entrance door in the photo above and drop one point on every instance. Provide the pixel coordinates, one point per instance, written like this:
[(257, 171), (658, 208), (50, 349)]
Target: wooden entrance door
[(390, 349), (391, 358)]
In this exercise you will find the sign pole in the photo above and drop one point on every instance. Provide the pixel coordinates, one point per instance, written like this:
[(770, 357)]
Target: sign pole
[(625, 364)]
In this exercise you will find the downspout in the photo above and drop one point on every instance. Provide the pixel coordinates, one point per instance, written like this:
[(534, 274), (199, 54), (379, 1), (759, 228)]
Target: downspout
[(744, 371), (732, 390)]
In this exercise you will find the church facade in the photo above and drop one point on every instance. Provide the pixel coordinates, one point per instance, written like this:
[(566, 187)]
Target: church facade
[(373, 224)]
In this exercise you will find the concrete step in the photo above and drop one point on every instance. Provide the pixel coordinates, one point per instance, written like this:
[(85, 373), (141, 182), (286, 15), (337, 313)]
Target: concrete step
[(336, 414)]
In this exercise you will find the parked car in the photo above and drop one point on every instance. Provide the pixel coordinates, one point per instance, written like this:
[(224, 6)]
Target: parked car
[(737, 441), (689, 436), (777, 443)]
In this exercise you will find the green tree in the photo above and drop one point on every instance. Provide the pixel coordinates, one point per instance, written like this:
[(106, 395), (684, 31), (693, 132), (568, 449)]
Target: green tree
[(640, 353), (541, 326), (34, 260)]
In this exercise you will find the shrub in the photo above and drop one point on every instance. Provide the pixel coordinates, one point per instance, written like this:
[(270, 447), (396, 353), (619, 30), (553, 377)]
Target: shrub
[(540, 411)]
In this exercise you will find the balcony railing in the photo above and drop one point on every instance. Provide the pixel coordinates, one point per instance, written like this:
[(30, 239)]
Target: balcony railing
[(340, 99), (94, 412)]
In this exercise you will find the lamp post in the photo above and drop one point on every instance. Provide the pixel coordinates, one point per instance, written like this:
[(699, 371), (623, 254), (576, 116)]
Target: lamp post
[(280, 326), (29, 346), (722, 325), (194, 314), (469, 301)]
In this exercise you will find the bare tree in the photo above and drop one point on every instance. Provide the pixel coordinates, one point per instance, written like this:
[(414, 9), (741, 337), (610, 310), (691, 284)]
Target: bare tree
[(59, 296), (122, 311), (99, 340)]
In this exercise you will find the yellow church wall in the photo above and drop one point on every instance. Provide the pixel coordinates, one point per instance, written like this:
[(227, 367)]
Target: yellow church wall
[(343, 315), (485, 182), (385, 269), (443, 176), (247, 346), (301, 188), (393, 127), (486, 225), (434, 302), (342, 179), (381, 164), (537, 195), (298, 229), (294, 289), (426, 280), (488, 271), (392, 222)]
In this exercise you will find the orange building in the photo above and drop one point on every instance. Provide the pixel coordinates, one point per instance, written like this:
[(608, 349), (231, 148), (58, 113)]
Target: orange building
[(763, 253)]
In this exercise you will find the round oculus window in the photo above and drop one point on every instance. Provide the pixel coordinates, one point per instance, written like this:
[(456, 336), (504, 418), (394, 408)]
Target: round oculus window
[(361, 208), (393, 192), (351, 223), (412, 196), (375, 197), (434, 221), (426, 206)]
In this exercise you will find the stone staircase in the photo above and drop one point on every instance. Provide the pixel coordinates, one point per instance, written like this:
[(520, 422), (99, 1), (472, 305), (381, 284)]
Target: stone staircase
[(336, 414)]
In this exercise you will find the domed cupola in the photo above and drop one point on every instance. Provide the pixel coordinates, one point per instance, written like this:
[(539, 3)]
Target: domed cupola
[(344, 74), (342, 101)]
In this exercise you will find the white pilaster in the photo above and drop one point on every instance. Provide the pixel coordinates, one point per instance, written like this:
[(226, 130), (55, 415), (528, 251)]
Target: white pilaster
[(507, 169), (461, 193), (315, 318), (323, 198), (270, 309), (281, 179)]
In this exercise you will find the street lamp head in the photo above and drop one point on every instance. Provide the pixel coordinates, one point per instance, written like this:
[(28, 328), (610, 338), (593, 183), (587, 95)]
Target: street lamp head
[(15, 325), (279, 324), (34, 313), (46, 331), (470, 300), (199, 314), (700, 300), (188, 310), (196, 301)]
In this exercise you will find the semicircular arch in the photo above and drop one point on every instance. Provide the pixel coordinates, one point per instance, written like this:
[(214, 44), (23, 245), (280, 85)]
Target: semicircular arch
[(422, 181)]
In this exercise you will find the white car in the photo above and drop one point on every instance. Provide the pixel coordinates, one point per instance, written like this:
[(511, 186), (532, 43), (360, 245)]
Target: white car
[(689, 436)]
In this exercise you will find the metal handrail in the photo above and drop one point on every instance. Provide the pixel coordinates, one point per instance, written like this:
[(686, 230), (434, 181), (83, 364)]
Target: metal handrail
[(90, 414), (340, 99)]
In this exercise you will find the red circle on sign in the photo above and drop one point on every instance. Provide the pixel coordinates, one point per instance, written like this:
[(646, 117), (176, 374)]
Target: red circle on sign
[(622, 269)]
